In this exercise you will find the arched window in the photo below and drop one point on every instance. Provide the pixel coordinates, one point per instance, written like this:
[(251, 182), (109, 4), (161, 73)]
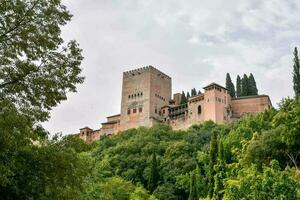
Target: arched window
[(199, 109)]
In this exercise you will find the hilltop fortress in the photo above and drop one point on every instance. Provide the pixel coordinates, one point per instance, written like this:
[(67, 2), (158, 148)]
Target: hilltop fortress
[(147, 100)]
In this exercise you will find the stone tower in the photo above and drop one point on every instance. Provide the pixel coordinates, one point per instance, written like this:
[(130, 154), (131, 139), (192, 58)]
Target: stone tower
[(144, 92), (216, 103)]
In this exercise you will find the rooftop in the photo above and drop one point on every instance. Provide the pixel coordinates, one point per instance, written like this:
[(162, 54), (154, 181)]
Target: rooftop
[(213, 83)]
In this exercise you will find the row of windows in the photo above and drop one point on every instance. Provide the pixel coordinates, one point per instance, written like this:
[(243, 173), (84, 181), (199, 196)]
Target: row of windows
[(217, 99), (139, 94), (160, 97), (134, 110)]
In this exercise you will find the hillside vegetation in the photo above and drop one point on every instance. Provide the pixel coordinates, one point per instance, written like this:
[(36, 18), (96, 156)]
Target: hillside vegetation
[(254, 158)]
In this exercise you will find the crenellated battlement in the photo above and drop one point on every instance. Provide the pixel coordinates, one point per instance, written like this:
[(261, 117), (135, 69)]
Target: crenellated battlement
[(141, 70)]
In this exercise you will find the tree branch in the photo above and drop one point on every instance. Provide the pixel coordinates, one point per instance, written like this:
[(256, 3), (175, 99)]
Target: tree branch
[(293, 159), (19, 23)]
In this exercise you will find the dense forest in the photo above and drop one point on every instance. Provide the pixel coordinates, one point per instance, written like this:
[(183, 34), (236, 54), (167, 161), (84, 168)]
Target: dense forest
[(256, 157)]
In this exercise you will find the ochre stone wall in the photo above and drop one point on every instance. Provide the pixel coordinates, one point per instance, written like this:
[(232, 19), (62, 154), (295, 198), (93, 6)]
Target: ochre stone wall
[(252, 104), (144, 92)]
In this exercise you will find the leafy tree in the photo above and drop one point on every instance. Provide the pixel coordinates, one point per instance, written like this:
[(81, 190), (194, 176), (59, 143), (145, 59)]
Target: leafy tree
[(193, 187), (183, 98), (229, 85), (270, 184), (165, 192), (252, 85), (37, 70), (154, 174), (33, 170), (213, 153), (288, 119), (245, 85), (296, 74), (238, 86)]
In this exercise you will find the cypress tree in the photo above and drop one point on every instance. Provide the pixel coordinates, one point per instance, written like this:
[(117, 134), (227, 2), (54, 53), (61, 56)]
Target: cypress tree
[(238, 86), (188, 95), (230, 85), (220, 173), (193, 92), (296, 74), (200, 183), (252, 85), (154, 175), (199, 92), (183, 98), (213, 153), (193, 187), (245, 85)]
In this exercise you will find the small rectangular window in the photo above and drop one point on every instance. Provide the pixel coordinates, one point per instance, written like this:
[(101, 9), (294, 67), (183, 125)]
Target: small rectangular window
[(140, 109), (134, 110), (128, 112), (164, 111)]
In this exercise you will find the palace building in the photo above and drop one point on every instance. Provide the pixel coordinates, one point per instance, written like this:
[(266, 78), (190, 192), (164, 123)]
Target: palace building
[(147, 99)]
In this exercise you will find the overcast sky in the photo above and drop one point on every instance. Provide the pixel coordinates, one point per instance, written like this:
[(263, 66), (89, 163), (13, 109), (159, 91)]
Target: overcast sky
[(195, 42)]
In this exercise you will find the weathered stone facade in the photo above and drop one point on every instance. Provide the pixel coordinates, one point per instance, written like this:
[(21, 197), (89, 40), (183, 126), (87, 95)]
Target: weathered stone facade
[(146, 100)]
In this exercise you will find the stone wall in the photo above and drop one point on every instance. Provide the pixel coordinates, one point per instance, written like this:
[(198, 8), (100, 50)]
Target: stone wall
[(250, 104)]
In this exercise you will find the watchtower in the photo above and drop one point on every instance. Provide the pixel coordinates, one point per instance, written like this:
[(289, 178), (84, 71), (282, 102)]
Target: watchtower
[(144, 91)]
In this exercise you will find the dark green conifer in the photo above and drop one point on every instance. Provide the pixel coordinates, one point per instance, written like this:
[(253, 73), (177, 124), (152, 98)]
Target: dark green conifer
[(252, 85), (193, 92), (230, 85), (238, 86), (183, 98), (245, 85), (188, 95), (154, 174), (213, 153), (193, 187), (296, 74), (220, 171)]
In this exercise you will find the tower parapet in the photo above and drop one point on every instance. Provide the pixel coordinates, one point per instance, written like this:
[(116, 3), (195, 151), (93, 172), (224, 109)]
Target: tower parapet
[(141, 70)]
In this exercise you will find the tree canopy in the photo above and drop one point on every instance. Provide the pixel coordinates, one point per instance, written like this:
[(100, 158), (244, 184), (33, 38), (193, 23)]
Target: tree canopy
[(37, 68), (230, 85)]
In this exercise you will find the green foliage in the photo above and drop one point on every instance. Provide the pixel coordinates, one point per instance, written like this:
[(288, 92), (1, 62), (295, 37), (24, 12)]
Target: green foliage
[(154, 174), (193, 92), (220, 173), (213, 154), (272, 183), (230, 85), (296, 74), (245, 86), (165, 192), (188, 95), (36, 70), (193, 187), (252, 85), (184, 99), (238, 86)]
